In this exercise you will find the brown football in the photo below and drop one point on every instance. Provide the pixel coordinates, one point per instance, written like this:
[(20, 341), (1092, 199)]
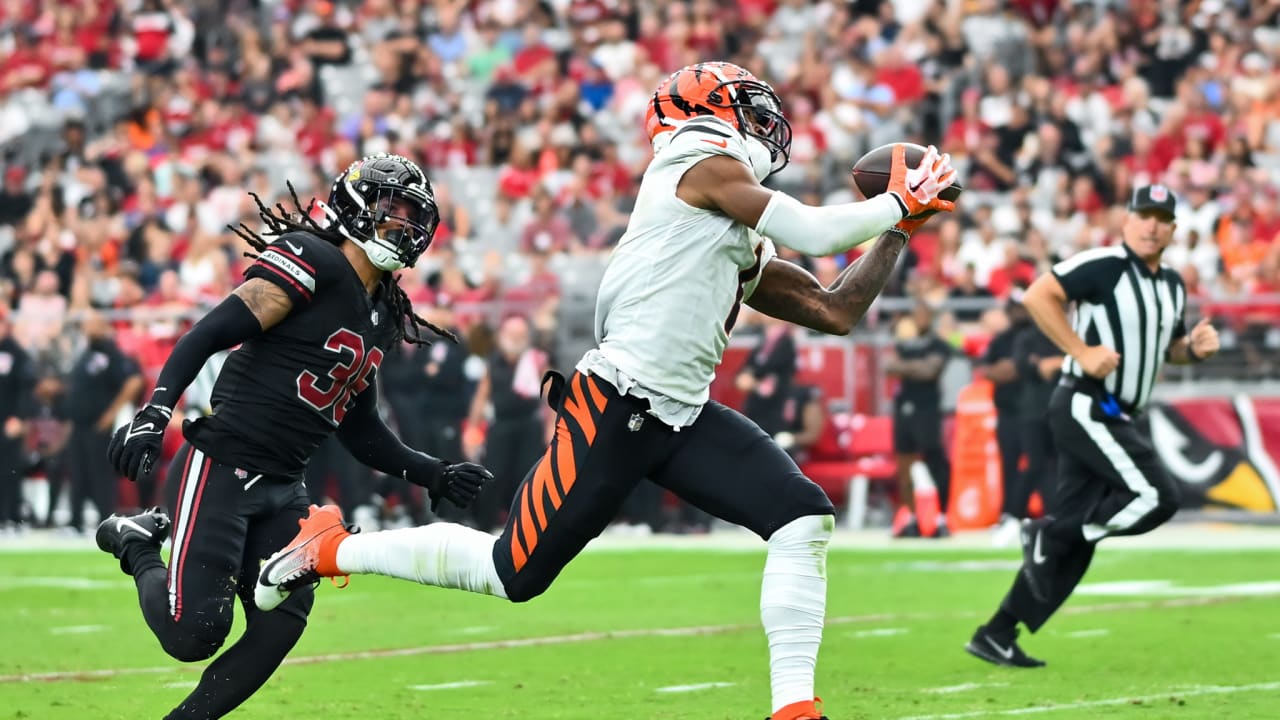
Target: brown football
[(871, 172)]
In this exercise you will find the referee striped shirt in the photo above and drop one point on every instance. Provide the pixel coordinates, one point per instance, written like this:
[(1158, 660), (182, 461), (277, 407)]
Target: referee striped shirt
[(1122, 304)]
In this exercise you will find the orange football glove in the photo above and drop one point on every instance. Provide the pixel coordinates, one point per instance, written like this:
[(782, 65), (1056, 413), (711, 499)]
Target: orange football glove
[(910, 225), (917, 189)]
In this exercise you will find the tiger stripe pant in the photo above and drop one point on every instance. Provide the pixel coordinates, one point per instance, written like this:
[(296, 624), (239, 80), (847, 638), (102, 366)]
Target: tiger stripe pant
[(605, 444)]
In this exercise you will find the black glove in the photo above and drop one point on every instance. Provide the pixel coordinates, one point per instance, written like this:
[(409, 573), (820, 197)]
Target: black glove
[(135, 447), (459, 483)]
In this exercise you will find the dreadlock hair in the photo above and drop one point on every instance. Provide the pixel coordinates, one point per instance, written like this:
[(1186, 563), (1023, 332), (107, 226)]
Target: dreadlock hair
[(404, 317)]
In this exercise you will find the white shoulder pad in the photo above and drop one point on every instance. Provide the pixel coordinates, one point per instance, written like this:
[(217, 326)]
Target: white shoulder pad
[(702, 137)]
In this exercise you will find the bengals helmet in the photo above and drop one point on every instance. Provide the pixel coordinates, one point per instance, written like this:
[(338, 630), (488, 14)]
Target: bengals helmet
[(728, 92), (381, 190)]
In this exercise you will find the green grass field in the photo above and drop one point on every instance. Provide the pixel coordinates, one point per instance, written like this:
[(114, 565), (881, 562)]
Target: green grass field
[(663, 633)]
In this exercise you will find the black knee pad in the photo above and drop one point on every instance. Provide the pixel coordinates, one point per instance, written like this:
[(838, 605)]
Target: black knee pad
[(525, 588), (194, 646)]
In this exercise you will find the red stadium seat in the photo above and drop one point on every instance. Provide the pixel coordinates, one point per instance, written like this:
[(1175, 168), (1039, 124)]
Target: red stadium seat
[(867, 445)]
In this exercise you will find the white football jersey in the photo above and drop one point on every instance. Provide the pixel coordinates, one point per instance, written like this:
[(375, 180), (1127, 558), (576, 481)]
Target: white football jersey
[(675, 283)]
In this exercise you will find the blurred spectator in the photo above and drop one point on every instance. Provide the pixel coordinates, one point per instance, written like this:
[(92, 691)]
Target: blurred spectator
[(1000, 365), (1039, 364), (17, 380), (509, 395), (548, 231), (430, 394), (48, 434), (768, 375), (804, 416), (918, 358), (104, 385), (968, 291)]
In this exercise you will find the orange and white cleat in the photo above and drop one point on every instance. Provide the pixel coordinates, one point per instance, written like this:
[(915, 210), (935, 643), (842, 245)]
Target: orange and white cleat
[(311, 555), (803, 710)]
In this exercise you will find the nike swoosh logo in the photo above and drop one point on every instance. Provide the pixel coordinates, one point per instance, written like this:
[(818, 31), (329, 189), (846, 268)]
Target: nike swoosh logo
[(148, 429), (1006, 653), (718, 143), (1037, 556), (297, 249), (122, 523)]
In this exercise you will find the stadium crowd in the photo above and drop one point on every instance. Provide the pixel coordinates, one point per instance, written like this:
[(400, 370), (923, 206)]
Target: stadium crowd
[(132, 131)]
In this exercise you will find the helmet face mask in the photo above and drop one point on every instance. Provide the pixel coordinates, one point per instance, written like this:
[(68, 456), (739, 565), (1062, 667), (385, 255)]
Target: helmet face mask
[(760, 115), (385, 205)]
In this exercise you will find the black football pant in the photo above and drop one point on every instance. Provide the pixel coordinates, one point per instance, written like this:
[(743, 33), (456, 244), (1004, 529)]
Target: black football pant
[(918, 431), (605, 443), (1110, 482), (12, 466), (1041, 472), (510, 447), (91, 475), (225, 522), (1009, 440)]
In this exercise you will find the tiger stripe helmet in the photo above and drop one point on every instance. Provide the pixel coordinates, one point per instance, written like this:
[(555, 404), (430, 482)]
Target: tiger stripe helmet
[(726, 91)]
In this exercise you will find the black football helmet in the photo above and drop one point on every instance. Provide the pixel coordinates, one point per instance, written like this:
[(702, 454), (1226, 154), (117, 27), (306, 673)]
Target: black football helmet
[(379, 190)]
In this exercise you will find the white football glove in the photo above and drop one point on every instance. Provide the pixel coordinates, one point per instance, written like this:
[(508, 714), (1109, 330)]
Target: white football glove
[(931, 177), (918, 188)]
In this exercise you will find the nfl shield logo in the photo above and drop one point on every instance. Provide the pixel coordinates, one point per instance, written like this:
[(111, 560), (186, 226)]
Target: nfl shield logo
[(374, 317), (1159, 193), (242, 474), (635, 423)]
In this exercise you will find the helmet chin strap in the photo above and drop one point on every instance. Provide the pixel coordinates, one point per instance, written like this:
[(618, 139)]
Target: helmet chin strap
[(382, 254)]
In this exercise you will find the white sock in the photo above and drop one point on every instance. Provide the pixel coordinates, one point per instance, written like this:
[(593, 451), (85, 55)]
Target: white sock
[(440, 554), (793, 601)]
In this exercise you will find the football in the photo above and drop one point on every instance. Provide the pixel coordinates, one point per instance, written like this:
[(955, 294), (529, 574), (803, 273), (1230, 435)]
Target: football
[(871, 172)]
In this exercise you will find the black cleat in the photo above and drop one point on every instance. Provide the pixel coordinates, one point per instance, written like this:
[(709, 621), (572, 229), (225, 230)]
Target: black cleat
[(1000, 651), (1039, 558), (909, 529), (150, 526)]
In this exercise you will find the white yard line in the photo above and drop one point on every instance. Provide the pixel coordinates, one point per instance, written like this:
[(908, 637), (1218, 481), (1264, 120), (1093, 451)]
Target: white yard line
[(1129, 699), (963, 687), (693, 688), (75, 675), (452, 685), (879, 632), (78, 629), (1097, 632)]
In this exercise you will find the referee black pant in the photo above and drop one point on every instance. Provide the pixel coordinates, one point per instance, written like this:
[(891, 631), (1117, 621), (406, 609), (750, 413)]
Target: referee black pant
[(1110, 482)]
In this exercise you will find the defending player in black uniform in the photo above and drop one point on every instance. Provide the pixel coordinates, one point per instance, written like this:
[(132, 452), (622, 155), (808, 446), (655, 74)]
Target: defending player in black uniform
[(316, 314)]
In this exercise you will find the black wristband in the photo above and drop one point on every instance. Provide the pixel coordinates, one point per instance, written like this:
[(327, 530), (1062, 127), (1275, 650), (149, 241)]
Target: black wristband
[(895, 230), (1191, 354)]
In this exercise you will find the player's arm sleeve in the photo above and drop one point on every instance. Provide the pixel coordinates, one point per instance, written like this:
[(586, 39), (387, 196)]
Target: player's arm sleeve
[(295, 264), (369, 440), (228, 324), (829, 229)]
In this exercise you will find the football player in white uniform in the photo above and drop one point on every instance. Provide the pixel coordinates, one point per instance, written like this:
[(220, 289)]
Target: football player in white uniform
[(698, 245)]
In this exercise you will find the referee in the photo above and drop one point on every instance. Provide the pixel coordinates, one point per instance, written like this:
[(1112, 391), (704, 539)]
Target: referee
[(1129, 320)]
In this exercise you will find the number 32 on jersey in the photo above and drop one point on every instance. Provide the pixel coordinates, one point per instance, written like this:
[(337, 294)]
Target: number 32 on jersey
[(347, 379)]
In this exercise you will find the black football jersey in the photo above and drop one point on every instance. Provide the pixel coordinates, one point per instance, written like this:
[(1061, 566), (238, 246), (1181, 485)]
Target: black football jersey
[(283, 392)]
